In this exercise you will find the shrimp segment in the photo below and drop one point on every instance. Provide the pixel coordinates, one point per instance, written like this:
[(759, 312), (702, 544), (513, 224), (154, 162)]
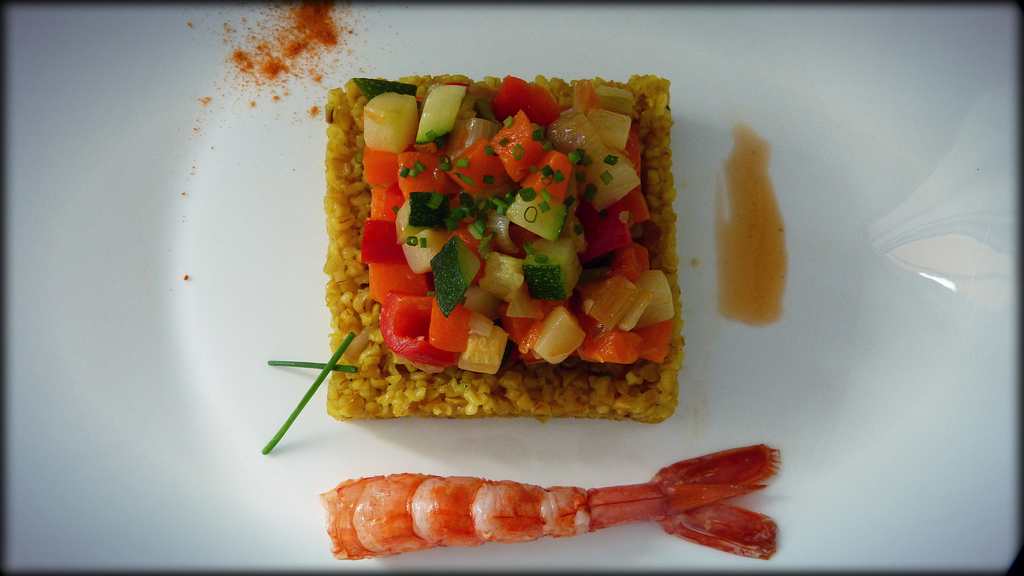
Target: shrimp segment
[(509, 512), (384, 515), (381, 515), (442, 511)]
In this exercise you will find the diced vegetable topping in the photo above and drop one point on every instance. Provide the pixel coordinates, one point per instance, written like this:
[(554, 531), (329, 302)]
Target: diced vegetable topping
[(395, 278), (531, 211), (371, 87), (379, 244), (439, 112), (454, 268), (615, 99), (560, 335), (421, 247), (604, 233), (405, 326), (451, 332), (661, 307), (482, 302), (380, 168), (477, 172), (427, 209), (484, 353), (516, 94), (552, 178), (503, 275), (389, 122), (386, 202), (552, 269), (516, 146), (501, 216)]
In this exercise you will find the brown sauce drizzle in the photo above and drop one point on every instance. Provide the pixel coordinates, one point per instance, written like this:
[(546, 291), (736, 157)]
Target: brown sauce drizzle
[(751, 242)]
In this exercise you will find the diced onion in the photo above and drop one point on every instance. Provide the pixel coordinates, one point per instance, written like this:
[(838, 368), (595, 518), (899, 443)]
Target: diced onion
[(573, 130), (502, 240), (467, 132), (560, 336), (661, 307), (480, 324), (482, 301), (356, 347), (612, 126), (615, 99)]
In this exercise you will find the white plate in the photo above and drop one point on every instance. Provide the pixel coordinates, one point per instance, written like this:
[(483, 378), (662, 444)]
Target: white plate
[(138, 403)]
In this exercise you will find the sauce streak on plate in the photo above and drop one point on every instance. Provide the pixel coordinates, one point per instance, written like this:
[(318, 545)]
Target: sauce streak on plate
[(751, 238)]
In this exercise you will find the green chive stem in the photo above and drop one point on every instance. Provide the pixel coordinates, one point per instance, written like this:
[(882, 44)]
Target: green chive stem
[(309, 393), (317, 365)]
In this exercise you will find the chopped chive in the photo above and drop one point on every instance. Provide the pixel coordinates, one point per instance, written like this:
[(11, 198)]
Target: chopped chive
[(541, 258), (534, 169), (411, 240), (606, 177), (508, 122), (545, 194), (538, 134), (485, 245), (529, 248), (451, 223), (465, 179), (460, 212), (477, 229), (575, 156), (590, 191), (423, 242), (611, 159), (418, 166), (570, 201), (500, 206), (547, 171), (430, 135), (435, 201), (488, 150), (559, 176), (528, 194), (586, 159), (462, 163), (503, 142), (445, 164), (488, 179), (544, 206), (309, 393), (317, 365), (547, 146), (404, 172), (518, 151), (465, 199)]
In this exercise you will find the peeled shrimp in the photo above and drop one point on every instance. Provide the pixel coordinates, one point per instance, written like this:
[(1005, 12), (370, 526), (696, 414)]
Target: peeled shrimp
[(385, 515)]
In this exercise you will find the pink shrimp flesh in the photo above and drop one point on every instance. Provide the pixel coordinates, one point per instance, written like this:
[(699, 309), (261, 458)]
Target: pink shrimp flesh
[(385, 515)]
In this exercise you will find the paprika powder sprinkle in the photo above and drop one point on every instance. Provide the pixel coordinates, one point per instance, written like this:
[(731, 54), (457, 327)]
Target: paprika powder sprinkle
[(289, 41)]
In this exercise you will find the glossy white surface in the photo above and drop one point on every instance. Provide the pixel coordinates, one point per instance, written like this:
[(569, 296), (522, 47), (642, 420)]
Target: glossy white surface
[(137, 403)]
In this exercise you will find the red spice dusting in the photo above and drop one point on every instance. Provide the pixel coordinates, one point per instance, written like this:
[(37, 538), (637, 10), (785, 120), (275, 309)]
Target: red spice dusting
[(314, 112), (205, 100), (275, 98), (186, 277), (252, 103), (189, 23), (290, 41)]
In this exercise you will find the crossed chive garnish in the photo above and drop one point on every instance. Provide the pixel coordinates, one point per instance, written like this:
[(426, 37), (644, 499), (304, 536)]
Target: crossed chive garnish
[(325, 369)]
